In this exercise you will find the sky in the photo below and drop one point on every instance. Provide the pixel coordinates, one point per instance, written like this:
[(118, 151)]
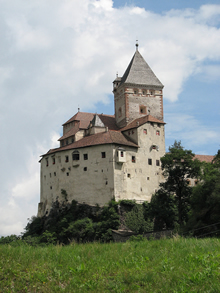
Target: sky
[(58, 56)]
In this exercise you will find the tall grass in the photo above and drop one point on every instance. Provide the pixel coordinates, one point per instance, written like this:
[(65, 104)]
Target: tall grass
[(167, 265)]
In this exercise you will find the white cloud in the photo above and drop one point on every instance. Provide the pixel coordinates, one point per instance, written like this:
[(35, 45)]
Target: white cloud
[(56, 56), (190, 131)]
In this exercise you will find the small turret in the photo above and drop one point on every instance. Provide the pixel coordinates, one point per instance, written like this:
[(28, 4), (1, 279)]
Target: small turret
[(116, 83)]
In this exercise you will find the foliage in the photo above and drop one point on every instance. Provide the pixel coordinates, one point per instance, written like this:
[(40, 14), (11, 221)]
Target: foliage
[(178, 166), (9, 239), (205, 202), (166, 265), (79, 222), (163, 210), (136, 222)]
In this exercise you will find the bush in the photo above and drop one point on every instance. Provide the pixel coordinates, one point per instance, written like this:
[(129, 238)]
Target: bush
[(136, 222)]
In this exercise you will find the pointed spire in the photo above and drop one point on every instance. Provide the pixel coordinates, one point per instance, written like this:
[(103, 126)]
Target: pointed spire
[(139, 72)]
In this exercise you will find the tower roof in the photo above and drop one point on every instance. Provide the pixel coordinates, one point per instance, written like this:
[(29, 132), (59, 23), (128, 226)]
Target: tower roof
[(140, 73)]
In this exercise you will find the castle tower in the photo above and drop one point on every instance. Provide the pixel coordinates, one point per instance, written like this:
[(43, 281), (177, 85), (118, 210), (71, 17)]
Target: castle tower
[(137, 93)]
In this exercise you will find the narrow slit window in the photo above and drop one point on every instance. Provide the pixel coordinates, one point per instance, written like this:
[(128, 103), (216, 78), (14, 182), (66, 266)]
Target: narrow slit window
[(66, 159), (149, 161), (54, 161), (133, 159)]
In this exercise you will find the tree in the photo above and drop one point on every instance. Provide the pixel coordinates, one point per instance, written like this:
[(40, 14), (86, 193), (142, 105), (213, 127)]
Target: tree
[(204, 217), (178, 166), (163, 210)]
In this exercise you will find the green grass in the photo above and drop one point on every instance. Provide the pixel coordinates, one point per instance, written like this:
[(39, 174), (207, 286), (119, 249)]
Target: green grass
[(167, 265)]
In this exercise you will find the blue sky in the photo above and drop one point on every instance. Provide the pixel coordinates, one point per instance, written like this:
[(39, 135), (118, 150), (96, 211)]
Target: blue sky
[(56, 56)]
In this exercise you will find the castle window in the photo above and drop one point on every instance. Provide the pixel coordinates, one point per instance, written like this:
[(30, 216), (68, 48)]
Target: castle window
[(135, 91), (157, 132), (62, 143), (148, 178), (145, 131), (66, 159), (50, 175), (55, 174), (85, 156), (122, 154), (129, 175), (67, 174), (149, 161), (85, 169), (119, 112), (143, 110), (53, 160), (157, 162), (67, 141), (103, 155), (76, 156), (144, 92), (72, 139), (152, 92), (47, 162), (133, 159), (50, 187)]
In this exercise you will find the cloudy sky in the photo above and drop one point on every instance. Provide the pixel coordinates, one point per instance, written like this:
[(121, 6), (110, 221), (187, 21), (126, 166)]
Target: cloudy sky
[(56, 56)]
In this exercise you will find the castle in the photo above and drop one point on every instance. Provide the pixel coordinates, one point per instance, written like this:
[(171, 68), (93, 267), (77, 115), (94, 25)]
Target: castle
[(103, 157)]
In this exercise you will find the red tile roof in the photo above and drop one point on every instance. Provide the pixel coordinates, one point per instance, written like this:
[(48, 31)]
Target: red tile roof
[(204, 158), (109, 137), (86, 118), (71, 132), (83, 117), (140, 121)]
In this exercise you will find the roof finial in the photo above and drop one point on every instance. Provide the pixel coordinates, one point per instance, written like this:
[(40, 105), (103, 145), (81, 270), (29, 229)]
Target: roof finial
[(117, 74), (136, 45)]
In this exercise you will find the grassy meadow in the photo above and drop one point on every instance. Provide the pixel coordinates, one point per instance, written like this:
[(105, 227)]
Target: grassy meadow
[(166, 265)]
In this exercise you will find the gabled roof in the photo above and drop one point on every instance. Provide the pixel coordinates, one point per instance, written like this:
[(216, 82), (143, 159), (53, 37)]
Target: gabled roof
[(140, 121), (109, 137), (97, 122), (85, 118), (140, 73)]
